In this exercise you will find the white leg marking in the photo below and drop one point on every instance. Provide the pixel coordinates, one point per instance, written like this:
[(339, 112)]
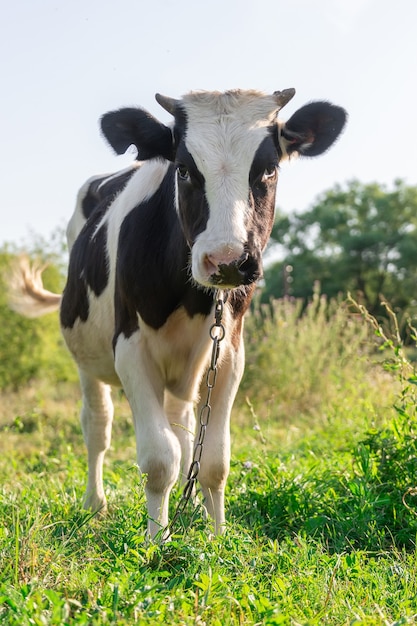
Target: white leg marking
[(158, 448), (96, 422)]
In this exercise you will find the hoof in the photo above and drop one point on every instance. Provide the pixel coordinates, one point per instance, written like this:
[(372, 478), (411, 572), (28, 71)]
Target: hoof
[(95, 505)]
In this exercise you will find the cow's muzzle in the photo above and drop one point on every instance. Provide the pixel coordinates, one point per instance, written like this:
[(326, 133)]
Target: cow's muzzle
[(243, 271)]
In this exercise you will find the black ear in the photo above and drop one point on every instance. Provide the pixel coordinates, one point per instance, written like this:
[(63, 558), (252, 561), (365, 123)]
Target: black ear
[(127, 127), (312, 129)]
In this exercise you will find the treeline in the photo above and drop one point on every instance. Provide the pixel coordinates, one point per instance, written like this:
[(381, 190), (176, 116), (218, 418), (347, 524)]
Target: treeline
[(357, 238)]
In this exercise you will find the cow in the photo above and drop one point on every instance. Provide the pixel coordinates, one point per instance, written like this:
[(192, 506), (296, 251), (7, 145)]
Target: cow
[(150, 248)]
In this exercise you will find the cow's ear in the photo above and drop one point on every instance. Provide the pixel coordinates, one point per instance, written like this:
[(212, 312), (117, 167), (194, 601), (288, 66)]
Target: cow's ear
[(127, 127), (312, 129)]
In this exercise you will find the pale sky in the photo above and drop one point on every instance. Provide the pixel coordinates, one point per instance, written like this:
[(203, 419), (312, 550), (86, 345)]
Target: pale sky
[(65, 63)]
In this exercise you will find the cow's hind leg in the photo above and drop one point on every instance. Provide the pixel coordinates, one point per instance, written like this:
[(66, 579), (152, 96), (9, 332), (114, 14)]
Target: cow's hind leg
[(96, 422)]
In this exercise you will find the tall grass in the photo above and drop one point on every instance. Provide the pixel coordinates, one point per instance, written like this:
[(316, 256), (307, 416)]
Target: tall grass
[(321, 501), (313, 368)]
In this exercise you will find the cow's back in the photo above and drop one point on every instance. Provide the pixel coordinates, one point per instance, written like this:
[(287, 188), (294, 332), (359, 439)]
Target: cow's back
[(93, 193)]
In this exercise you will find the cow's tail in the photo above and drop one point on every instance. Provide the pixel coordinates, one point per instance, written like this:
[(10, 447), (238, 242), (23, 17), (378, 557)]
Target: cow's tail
[(26, 293)]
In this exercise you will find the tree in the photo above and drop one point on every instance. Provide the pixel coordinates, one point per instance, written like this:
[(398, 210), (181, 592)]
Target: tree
[(358, 238)]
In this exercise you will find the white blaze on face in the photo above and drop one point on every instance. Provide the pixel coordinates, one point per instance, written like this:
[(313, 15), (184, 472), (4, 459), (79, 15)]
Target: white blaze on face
[(224, 131)]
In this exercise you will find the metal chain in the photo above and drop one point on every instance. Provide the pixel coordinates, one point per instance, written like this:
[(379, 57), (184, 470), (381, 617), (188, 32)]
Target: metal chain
[(217, 334)]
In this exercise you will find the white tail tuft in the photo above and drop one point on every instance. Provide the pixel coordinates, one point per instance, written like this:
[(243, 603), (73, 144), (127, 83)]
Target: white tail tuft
[(26, 293)]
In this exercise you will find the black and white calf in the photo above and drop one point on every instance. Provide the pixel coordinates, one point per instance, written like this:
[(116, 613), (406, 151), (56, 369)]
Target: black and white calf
[(149, 248)]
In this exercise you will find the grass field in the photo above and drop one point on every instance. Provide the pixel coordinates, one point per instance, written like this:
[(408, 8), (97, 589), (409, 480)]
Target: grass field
[(321, 501)]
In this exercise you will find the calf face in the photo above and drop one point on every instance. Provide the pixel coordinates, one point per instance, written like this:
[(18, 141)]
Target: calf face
[(226, 148)]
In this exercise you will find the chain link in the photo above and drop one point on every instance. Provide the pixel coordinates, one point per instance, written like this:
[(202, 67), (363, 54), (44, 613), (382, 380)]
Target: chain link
[(217, 334)]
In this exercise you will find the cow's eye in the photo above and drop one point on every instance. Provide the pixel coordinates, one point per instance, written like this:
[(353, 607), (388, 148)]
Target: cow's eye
[(183, 173), (270, 172)]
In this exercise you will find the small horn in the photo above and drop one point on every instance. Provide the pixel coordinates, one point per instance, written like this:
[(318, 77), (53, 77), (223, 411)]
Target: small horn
[(169, 104), (282, 97)]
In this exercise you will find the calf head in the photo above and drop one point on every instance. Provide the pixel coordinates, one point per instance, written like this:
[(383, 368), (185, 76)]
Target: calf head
[(226, 148)]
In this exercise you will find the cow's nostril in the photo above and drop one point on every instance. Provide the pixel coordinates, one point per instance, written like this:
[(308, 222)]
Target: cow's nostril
[(242, 260), (210, 266)]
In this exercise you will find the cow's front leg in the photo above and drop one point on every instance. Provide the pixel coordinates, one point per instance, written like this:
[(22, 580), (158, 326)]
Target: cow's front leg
[(215, 460), (158, 449)]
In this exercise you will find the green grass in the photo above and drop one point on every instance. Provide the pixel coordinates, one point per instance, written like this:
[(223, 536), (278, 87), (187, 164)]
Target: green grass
[(321, 501)]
